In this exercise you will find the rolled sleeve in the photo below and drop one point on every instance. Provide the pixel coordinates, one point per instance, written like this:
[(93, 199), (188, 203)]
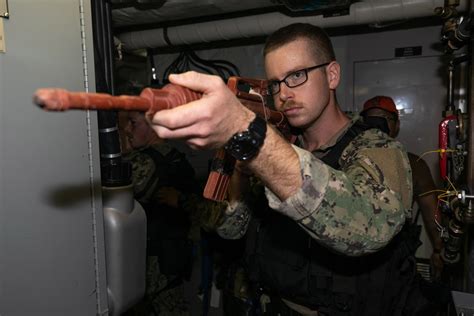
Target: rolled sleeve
[(310, 195), (351, 211), (235, 221)]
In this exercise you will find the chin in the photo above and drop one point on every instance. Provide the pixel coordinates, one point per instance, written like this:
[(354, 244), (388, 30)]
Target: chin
[(297, 123)]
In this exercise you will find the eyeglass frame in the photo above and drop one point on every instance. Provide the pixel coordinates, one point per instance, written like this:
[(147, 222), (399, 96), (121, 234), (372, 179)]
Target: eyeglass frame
[(305, 71)]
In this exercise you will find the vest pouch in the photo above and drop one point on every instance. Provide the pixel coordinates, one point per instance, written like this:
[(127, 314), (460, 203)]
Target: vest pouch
[(284, 266), (332, 286), (289, 276)]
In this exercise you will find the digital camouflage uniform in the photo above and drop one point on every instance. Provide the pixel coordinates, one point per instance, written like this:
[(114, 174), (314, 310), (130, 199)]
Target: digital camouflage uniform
[(154, 167), (203, 213), (354, 210)]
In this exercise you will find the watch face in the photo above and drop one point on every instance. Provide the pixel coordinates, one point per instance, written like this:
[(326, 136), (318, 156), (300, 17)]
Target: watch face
[(243, 146)]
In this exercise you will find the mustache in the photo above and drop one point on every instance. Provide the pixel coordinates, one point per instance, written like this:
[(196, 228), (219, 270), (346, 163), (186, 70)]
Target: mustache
[(288, 105)]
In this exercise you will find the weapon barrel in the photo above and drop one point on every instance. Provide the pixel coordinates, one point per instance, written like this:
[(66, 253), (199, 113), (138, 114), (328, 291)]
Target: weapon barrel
[(62, 100), (150, 100)]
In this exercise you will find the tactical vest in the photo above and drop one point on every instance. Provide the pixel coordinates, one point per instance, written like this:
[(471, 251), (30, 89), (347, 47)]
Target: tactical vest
[(283, 260)]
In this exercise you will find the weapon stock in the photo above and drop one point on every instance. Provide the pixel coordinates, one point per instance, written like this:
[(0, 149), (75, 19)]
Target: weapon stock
[(153, 100)]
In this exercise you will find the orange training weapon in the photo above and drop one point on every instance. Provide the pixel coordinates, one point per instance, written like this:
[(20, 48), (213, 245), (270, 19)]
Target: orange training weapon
[(153, 100)]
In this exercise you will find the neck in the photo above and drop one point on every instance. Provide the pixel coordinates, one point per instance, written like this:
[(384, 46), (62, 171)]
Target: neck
[(330, 122)]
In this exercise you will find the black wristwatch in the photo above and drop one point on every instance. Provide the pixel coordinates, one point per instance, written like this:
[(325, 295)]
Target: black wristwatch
[(245, 145)]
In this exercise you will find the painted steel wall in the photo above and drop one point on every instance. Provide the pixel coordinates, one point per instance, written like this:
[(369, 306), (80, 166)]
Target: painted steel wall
[(51, 232)]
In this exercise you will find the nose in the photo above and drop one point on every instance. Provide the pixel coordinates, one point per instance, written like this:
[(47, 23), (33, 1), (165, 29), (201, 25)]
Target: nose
[(285, 92)]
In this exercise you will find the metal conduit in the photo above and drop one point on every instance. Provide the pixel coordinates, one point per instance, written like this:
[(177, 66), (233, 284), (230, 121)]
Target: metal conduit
[(366, 12)]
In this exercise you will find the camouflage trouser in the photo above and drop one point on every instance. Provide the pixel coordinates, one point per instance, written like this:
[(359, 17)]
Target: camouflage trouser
[(159, 298)]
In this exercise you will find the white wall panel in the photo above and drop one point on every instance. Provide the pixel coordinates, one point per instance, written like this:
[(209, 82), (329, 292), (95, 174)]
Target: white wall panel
[(49, 180)]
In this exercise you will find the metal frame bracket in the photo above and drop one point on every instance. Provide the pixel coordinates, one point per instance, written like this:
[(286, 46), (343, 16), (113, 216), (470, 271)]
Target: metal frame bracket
[(4, 9)]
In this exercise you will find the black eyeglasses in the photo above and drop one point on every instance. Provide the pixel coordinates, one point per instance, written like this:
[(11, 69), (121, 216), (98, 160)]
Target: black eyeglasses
[(292, 80)]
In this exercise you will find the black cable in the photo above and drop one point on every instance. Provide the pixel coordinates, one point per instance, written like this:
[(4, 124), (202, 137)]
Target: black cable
[(199, 66), (188, 58), (218, 65), (172, 68)]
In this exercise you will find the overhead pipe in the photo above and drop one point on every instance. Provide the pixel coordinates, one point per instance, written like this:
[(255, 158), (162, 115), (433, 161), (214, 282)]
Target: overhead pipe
[(125, 17), (361, 13)]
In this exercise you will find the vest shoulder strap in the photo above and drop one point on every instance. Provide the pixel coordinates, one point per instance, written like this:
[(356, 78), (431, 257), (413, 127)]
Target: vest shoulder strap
[(332, 158)]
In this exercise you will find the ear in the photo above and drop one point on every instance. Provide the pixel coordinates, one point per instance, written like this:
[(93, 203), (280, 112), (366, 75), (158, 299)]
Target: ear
[(333, 73)]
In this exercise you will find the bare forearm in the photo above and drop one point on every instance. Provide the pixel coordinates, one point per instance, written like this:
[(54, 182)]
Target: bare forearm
[(277, 165), (428, 205)]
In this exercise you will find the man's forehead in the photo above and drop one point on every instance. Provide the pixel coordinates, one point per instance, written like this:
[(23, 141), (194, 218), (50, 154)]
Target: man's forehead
[(297, 46), (288, 58)]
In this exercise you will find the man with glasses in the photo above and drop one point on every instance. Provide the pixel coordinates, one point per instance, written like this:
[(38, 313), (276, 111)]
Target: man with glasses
[(330, 241)]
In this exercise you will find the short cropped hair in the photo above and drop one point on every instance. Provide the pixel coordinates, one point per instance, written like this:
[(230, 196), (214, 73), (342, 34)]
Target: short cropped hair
[(318, 40)]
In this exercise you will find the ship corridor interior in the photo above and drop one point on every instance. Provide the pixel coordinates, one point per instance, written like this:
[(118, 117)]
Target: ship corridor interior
[(72, 236)]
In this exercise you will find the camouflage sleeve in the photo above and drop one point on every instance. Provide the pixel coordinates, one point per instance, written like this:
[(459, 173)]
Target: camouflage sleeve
[(235, 221), (203, 213), (230, 221), (143, 176), (351, 211)]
